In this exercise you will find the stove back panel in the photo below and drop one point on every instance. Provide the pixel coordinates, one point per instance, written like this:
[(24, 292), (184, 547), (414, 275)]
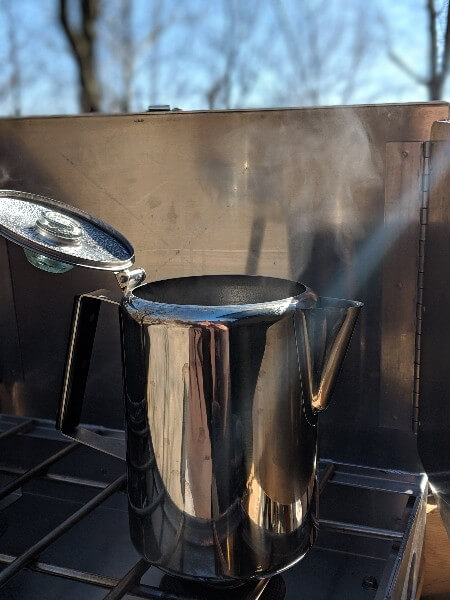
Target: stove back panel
[(299, 193)]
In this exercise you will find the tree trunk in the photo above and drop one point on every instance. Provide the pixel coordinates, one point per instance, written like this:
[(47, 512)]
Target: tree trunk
[(82, 42), (435, 88), (438, 59)]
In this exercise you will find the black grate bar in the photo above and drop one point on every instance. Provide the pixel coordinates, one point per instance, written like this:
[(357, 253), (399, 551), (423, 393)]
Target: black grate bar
[(127, 583), (22, 427), (65, 573), (33, 552), (258, 590), (353, 528), (103, 581), (326, 475), (37, 470), (58, 477)]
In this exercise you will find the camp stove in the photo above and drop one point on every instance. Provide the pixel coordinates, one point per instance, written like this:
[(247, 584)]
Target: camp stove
[(349, 200)]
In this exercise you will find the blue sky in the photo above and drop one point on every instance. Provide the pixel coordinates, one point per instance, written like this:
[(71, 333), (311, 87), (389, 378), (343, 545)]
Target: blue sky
[(197, 39)]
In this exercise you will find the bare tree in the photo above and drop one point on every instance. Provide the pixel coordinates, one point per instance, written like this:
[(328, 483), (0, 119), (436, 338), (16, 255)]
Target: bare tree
[(155, 58), (325, 49), (117, 38), (127, 54), (230, 73), (14, 81), (82, 42), (130, 38), (438, 52)]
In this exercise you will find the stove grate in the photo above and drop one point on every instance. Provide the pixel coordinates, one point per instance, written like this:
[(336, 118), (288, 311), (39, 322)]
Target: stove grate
[(118, 588), (368, 515), (36, 549)]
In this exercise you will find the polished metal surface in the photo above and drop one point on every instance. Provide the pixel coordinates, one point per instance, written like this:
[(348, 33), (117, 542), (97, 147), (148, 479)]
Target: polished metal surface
[(129, 279), (296, 193), (323, 335), (221, 397), (400, 241), (434, 405), (82, 335), (61, 232)]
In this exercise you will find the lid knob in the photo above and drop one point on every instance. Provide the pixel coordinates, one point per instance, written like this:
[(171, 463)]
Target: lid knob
[(58, 227)]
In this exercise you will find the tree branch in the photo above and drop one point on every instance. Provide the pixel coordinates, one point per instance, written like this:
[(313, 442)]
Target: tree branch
[(71, 37), (407, 69), (446, 52), (433, 38), (90, 11)]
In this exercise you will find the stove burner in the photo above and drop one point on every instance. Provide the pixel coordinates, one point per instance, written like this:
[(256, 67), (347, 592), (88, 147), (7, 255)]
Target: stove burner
[(275, 590)]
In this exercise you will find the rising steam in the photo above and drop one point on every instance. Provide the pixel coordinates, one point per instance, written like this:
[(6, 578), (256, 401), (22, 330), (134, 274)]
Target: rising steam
[(313, 175)]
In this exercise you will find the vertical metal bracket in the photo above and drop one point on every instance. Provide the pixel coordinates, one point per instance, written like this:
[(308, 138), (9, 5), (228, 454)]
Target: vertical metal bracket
[(425, 195)]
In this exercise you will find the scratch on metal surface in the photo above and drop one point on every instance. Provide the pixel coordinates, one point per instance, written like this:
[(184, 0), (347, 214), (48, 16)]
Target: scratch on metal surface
[(101, 188), (178, 251)]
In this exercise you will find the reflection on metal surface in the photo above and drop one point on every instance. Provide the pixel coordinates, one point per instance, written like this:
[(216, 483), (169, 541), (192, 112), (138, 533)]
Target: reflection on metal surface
[(258, 590), (323, 335), (221, 443), (270, 514), (209, 391), (46, 263)]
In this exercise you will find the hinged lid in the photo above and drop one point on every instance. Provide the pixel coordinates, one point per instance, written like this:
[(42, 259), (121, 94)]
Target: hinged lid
[(62, 232)]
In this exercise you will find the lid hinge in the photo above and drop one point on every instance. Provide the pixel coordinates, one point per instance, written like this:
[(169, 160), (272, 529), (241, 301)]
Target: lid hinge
[(425, 194), (129, 279)]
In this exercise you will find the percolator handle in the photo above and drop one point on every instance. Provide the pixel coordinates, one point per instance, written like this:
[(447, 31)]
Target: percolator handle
[(81, 341)]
